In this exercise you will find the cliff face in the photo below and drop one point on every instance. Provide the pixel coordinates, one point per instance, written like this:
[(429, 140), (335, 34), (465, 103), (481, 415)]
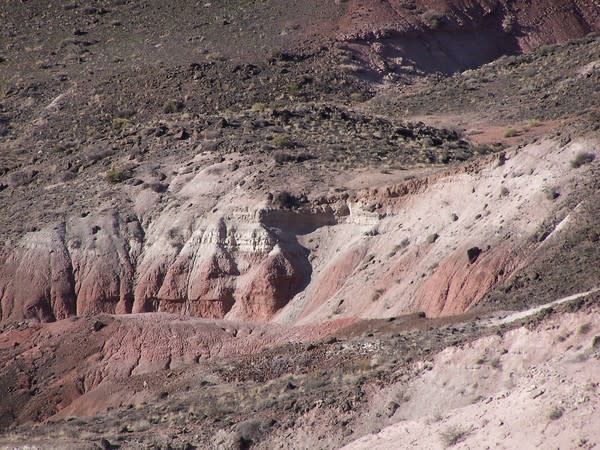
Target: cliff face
[(437, 244)]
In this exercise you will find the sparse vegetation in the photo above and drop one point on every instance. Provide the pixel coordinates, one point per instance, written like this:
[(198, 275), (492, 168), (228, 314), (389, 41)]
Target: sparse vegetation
[(454, 434), (582, 158), (117, 175), (511, 132), (377, 294), (119, 123), (556, 413), (4, 89), (258, 106), (173, 106), (584, 329), (293, 88), (552, 193), (252, 136), (283, 141)]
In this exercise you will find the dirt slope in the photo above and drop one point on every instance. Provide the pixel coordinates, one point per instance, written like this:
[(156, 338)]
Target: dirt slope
[(496, 381), (528, 388)]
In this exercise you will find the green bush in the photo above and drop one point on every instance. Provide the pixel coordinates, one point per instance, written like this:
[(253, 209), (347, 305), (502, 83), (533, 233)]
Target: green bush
[(117, 175), (282, 141)]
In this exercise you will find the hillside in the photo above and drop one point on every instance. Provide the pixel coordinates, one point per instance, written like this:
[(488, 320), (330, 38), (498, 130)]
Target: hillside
[(263, 224)]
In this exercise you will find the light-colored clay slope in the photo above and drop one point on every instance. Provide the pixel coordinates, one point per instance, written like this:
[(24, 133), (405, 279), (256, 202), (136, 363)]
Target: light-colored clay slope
[(373, 266)]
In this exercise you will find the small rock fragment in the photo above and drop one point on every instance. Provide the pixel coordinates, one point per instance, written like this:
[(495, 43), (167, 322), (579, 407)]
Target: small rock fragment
[(473, 253)]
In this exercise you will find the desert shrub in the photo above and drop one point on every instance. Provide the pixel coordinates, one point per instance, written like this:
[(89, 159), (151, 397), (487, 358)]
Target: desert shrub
[(173, 106), (409, 4), (432, 238), (552, 194), (119, 123), (511, 132), (293, 88), (403, 244), (363, 364), (4, 89), (584, 329), (547, 50), (117, 175), (282, 141), (377, 294), (437, 416), (556, 413), (258, 106), (282, 157), (159, 188), (95, 154), (582, 159), (453, 435)]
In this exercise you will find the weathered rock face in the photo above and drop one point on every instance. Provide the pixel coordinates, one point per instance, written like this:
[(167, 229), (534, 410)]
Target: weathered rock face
[(82, 269), (37, 278), (379, 252)]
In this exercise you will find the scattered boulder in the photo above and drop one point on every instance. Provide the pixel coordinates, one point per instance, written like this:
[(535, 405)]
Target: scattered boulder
[(473, 253)]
